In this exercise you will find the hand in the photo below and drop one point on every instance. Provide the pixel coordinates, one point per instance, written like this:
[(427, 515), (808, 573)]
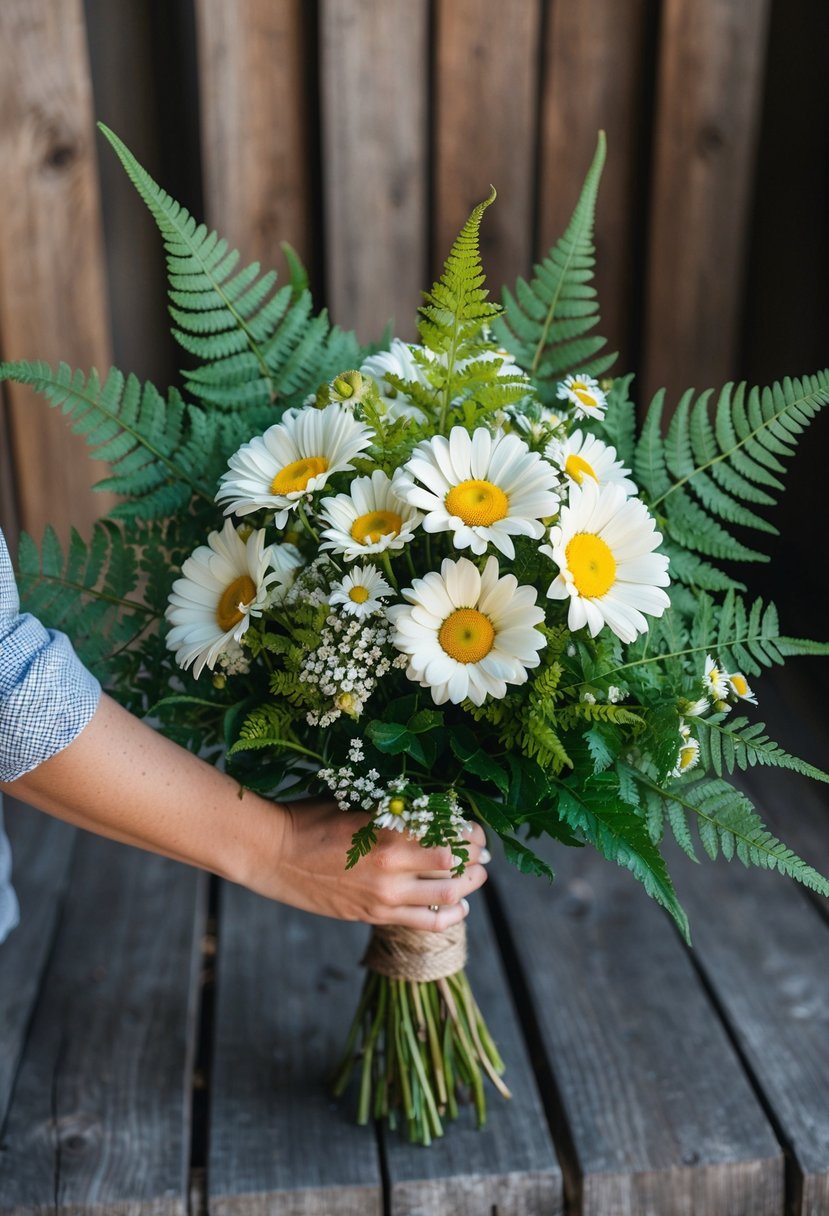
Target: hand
[(394, 885)]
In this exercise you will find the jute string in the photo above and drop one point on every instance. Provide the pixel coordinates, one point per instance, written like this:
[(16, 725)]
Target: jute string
[(410, 954)]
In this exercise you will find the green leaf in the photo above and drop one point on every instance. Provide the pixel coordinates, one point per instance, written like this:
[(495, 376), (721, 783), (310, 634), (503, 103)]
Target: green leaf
[(481, 764), (547, 324), (524, 859), (390, 737)]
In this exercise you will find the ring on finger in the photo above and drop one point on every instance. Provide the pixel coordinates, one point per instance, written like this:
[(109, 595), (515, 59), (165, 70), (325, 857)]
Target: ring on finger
[(434, 907)]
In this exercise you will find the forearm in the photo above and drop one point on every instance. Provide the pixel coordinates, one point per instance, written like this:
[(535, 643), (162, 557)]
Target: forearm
[(121, 779)]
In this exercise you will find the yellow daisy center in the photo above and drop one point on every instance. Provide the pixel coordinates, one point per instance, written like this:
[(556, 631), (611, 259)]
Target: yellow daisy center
[(467, 635), (397, 806), (228, 613), (578, 469), (687, 756), (585, 396), (739, 684), (358, 594), (367, 529), (591, 564), (477, 502), (295, 476)]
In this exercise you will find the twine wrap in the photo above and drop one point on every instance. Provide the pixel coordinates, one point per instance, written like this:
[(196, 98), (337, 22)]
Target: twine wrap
[(410, 954)]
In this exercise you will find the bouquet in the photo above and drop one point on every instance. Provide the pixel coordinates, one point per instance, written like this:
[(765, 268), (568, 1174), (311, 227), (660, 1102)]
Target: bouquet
[(441, 581)]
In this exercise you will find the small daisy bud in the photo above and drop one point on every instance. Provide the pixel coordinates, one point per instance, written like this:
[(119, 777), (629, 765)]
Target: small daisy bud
[(219, 680)]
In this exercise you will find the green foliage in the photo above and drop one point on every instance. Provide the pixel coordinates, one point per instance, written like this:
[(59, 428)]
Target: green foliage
[(620, 835), (456, 309), (257, 345), (87, 592), (161, 452), (728, 823), (546, 325), (699, 477), (735, 743)]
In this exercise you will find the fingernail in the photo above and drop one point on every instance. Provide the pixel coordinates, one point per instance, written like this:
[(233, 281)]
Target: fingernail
[(457, 859), (485, 856), (465, 906), (467, 828)]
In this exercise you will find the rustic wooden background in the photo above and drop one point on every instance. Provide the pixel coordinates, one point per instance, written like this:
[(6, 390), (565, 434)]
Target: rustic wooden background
[(362, 131)]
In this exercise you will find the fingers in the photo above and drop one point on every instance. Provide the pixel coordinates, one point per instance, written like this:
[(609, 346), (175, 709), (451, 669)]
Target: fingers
[(443, 890), (428, 921)]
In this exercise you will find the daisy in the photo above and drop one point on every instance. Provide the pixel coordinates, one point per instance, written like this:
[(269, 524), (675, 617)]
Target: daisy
[(537, 424), (581, 455), (468, 634), (224, 584), (715, 681), (369, 519), (603, 547), (688, 755), (398, 361), (584, 394), (481, 487), (361, 591), (738, 686), (294, 458)]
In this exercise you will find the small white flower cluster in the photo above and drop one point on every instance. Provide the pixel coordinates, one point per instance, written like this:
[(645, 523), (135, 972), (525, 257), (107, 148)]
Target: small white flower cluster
[(351, 659), (311, 586), (614, 696), (233, 660), (353, 790), (415, 815)]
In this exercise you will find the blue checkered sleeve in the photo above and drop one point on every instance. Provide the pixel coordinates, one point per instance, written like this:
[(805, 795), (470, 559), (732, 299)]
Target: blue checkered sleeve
[(47, 696)]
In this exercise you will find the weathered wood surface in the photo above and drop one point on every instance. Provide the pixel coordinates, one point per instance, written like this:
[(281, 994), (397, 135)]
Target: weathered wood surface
[(597, 77), (657, 1113), (509, 1166), (99, 1118), (373, 80), (41, 854), (486, 83), (709, 92), (286, 988), (53, 299), (257, 140)]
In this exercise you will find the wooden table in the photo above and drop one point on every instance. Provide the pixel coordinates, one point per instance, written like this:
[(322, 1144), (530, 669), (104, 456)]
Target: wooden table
[(165, 1042)]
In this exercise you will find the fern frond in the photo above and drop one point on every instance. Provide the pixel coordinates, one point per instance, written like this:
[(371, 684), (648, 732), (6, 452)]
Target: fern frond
[(260, 344), (546, 325), (620, 835), (728, 823), (729, 744), (86, 592), (716, 459), (158, 450), (584, 711)]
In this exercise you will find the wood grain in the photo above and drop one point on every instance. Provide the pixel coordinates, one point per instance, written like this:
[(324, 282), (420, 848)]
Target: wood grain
[(486, 81), (41, 857), (100, 1115), (52, 283), (374, 84), (510, 1164), (257, 142), (660, 1115), (764, 949), (287, 985), (596, 76), (707, 117)]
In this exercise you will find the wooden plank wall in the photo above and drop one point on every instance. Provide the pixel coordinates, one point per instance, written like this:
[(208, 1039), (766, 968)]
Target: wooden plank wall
[(362, 131)]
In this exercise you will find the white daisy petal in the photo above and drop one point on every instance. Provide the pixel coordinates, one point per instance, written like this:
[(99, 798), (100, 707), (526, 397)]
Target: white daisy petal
[(603, 549), (584, 395), (360, 592), (294, 458), (463, 651), (581, 455), (483, 488), (224, 584), (369, 519)]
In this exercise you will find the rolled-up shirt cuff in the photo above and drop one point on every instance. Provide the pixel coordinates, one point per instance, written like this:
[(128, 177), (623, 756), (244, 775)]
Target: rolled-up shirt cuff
[(47, 696)]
